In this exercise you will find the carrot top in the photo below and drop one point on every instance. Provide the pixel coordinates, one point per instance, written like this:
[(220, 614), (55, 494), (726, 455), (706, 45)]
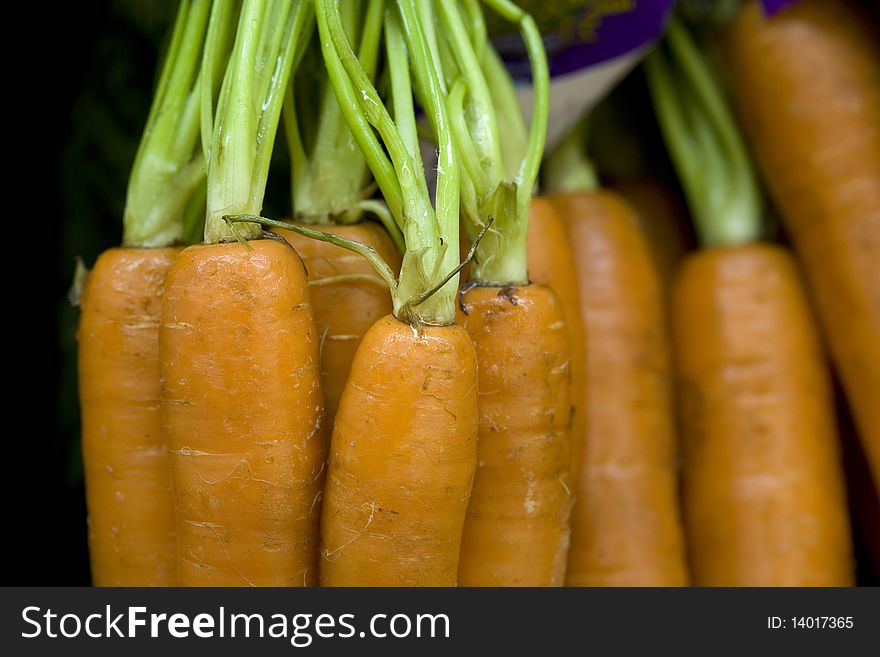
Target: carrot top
[(426, 289), (238, 138), (330, 180), (497, 182), (704, 142), (168, 169)]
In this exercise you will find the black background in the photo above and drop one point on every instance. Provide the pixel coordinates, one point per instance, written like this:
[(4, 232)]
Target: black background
[(77, 91)]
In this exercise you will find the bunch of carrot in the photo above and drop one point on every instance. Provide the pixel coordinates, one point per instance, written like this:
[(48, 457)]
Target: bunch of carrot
[(320, 400), (762, 481)]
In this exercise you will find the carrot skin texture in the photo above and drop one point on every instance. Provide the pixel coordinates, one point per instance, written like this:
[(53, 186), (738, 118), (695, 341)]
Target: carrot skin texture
[(128, 486), (344, 310), (626, 524), (763, 487), (402, 459), (517, 527), (808, 82), (241, 396), (551, 262)]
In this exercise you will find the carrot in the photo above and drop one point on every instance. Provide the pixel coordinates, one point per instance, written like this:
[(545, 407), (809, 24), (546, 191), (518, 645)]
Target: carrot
[(330, 184), (128, 489), (551, 262), (808, 85), (516, 532), (241, 395), (517, 529), (764, 495), (403, 451), (626, 526), (247, 475), (763, 487), (395, 499)]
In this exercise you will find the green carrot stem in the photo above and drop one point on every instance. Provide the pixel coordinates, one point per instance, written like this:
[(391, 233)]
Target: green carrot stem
[(439, 237), (473, 177), (481, 110), (348, 99), (706, 146), (489, 190), (425, 292), (218, 44), (329, 182), (531, 163), (479, 36), (246, 118), (511, 122), (168, 167)]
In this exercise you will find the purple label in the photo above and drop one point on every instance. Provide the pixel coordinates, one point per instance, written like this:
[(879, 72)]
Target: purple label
[(584, 33), (773, 6)]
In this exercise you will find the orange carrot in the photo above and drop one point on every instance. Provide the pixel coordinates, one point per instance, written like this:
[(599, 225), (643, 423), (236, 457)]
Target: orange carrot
[(763, 487), (346, 297), (764, 495), (517, 530), (398, 483), (517, 527), (807, 83), (626, 528), (551, 262), (403, 451), (241, 395), (242, 402), (128, 490)]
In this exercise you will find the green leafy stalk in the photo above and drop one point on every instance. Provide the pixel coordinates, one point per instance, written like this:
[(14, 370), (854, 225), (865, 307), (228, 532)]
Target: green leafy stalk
[(511, 122), (706, 147), (246, 119), (327, 181), (168, 168), (567, 168), (527, 175), (437, 239), (496, 184), (426, 289), (347, 98), (331, 181), (480, 110)]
